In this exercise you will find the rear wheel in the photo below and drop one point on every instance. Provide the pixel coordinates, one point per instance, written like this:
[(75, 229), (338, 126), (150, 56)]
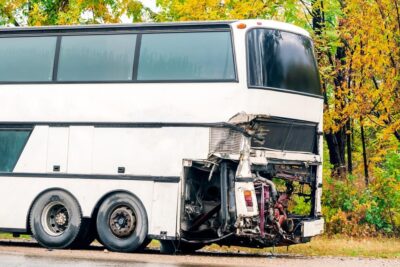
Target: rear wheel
[(122, 223), (55, 219), (87, 234)]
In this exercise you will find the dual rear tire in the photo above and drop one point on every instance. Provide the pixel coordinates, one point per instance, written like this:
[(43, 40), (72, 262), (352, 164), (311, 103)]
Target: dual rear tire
[(122, 223), (56, 222)]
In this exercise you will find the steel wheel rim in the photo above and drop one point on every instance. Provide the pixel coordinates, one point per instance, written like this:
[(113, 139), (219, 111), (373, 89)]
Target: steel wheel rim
[(55, 218), (122, 221)]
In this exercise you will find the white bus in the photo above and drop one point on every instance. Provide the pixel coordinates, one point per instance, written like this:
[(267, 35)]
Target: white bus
[(189, 133)]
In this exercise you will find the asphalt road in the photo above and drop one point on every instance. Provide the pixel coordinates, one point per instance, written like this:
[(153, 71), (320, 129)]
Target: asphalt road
[(25, 253)]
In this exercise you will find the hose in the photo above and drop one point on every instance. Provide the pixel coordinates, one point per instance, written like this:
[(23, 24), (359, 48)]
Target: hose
[(274, 193), (207, 241)]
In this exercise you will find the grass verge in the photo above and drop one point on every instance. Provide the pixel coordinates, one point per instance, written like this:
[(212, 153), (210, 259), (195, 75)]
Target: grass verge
[(10, 236), (333, 246)]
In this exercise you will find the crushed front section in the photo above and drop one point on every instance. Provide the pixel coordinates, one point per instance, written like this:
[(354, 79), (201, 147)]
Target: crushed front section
[(259, 187)]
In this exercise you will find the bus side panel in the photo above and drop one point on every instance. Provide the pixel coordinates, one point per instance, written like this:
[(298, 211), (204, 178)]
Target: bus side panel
[(90, 151), (57, 149), (152, 102), (147, 151), (80, 149), (17, 194), (165, 209)]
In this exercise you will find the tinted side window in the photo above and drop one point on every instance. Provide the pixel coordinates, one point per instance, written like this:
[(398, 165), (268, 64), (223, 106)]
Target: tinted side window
[(27, 59), (12, 143), (186, 56), (96, 58)]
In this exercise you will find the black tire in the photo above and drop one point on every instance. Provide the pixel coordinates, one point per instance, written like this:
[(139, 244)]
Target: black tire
[(55, 219), (168, 247), (174, 246), (122, 223), (87, 234), (185, 247), (144, 245)]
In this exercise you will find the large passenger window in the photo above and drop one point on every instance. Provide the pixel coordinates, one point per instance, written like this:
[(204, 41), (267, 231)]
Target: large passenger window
[(96, 58), (27, 59), (281, 60), (12, 143), (186, 56)]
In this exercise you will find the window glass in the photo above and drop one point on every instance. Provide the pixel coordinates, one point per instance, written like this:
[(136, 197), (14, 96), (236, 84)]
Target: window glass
[(12, 143), (285, 136), (27, 59), (186, 56), (96, 58), (283, 60), (301, 138)]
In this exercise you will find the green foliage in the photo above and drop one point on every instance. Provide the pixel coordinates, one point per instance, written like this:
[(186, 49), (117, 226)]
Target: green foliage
[(66, 12), (300, 206), (352, 209)]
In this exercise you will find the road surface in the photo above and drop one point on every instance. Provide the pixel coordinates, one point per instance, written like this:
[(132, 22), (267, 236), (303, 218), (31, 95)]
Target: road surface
[(26, 253)]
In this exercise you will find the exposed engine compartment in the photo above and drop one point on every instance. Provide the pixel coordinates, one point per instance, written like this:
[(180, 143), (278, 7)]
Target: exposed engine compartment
[(258, 211), (258, 187)]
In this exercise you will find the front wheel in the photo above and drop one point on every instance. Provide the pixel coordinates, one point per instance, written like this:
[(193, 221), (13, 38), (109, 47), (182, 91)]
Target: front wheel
[(190, 247), (174, 246), (122, 223)]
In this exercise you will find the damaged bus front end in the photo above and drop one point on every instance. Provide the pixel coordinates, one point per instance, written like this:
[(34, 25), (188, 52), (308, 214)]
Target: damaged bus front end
[(260, 186)]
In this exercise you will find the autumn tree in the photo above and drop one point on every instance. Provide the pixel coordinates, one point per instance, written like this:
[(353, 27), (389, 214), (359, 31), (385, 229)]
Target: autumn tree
[(65, 12), (177, 10), (325, 17), (372, 33)]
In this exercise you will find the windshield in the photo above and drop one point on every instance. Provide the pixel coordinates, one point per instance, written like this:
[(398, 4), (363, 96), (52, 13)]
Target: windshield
[(282, 60)]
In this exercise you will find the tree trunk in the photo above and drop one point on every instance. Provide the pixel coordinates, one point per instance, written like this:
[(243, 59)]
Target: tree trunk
[(349, 148), (336, 140), (366, 174), (336, 145), (397, 135)]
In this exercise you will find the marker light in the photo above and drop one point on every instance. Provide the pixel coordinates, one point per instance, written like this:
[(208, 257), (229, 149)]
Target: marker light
[(248, 198), (241, 26)]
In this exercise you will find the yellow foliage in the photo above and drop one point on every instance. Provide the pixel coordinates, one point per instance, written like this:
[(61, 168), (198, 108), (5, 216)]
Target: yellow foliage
[(40, 12)]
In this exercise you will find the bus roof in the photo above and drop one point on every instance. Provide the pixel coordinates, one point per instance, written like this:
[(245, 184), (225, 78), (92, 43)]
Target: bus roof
[(164, 26)]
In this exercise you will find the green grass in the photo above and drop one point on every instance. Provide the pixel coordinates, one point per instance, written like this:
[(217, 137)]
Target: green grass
[(5, 236), (325, 246), (333, 246), (10, 236)]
